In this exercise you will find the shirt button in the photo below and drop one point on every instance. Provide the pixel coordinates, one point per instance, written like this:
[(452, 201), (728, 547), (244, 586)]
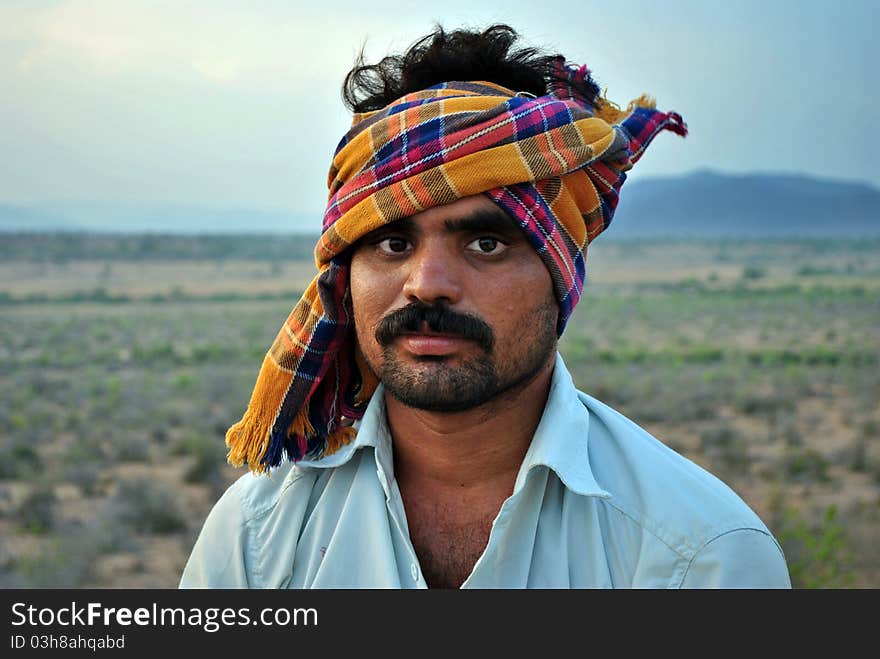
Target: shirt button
[(414, 570)]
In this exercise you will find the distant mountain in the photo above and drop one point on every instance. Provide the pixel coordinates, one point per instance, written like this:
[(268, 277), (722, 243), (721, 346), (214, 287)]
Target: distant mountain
[(702, 204), (707, 204), (24, 218), (149, 218)]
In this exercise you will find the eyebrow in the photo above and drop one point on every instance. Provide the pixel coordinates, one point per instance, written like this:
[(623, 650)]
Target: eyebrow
[(474, 222), (482, 220)]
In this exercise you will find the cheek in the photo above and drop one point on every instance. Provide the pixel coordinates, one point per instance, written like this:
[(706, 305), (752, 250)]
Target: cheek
[(517, 299), (370, 297)]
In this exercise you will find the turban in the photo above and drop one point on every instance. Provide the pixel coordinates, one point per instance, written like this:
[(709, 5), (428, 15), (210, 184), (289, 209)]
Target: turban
[(554, 163)]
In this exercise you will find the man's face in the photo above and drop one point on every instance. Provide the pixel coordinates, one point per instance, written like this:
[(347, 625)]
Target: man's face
[(452, 306)]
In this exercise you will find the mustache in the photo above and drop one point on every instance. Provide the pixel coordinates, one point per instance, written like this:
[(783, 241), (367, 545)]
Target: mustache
[(439, 318)]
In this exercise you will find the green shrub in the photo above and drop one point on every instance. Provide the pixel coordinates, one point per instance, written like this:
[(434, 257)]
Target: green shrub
[(807, 466), (208, 457), (763, 404), (727, 451), (812, 270), (146, 507), (67, 557), (56, 564), (18, 459), (36, 513), (85, 475), (818, 556), (753, 272), (131, 448)]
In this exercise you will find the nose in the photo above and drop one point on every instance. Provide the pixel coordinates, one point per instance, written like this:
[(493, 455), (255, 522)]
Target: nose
[(434, 275)]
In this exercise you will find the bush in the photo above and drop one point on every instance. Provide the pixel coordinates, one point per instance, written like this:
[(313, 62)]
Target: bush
[(82, 462), (67, 557), (131, 449), (56, 564), (208, 457), (146, 507), (818, 556), (718, 437), (727, 451), (36, 513), (85, 475), (806, 466), (763, 404), (753, 272), (18, 459)]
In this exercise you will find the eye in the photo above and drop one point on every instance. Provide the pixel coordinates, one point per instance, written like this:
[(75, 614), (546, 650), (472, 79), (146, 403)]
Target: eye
[(487, 245), (393, 245)]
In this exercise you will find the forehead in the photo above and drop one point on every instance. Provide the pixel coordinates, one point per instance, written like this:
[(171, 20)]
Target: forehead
[(475, 205), (473, 213)]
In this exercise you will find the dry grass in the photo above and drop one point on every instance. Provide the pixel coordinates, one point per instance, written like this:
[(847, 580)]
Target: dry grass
[(757, 361)]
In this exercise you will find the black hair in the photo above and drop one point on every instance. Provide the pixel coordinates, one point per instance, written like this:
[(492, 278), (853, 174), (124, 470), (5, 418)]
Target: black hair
[(461, 55)]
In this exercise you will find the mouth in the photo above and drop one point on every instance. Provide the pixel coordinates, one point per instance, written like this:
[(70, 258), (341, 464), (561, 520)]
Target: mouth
[(426, 343), (433, 332)]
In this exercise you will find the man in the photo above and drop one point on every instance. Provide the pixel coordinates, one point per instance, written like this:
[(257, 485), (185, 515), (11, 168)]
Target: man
[(418, 426)]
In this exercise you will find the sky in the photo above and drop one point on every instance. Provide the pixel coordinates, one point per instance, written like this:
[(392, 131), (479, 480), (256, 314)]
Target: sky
[(236, 104)]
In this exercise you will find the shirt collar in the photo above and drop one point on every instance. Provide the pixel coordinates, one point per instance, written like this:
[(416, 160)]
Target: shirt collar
[(559, 442), (561, 438), (372, 430)]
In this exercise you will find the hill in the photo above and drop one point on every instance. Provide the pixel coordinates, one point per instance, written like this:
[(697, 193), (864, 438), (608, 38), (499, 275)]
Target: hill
[(707, 204), (23, 218)]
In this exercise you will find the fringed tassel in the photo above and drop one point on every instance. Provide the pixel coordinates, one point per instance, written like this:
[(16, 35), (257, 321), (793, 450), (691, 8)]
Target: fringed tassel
[(365, 387), (612, 113), (643, 101), (676, 124), (301, 426), (339, 438), (248, 440), (607, 109)]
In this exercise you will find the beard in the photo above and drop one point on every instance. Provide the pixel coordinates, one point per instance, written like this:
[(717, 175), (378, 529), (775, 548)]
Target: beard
[(441, 384)]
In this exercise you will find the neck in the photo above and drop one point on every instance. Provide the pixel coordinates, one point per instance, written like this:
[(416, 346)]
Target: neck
[(478, 448)]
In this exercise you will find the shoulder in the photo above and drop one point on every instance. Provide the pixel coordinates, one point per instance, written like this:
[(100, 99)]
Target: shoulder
[(699, 518), (237, 538), (258, 495)]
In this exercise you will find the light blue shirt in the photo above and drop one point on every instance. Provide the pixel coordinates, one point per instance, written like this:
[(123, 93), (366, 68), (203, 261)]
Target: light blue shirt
[(598, 503)]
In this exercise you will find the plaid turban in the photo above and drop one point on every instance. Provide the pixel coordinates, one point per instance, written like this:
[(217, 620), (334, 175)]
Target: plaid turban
[(554, 163)]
